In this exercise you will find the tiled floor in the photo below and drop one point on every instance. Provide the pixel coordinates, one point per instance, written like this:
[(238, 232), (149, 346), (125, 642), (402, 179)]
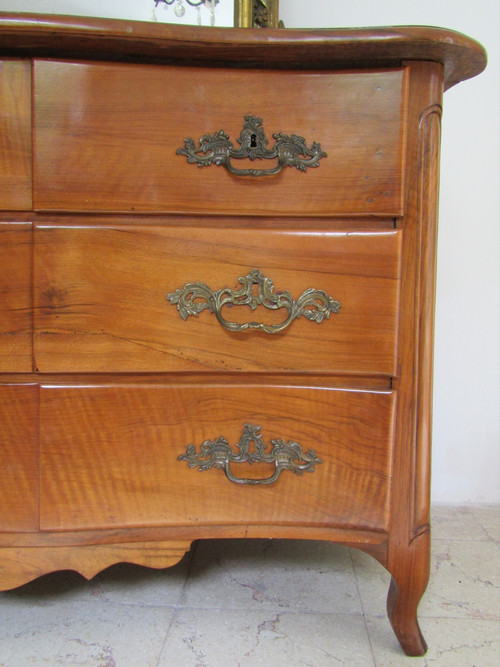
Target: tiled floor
[(275, 604)]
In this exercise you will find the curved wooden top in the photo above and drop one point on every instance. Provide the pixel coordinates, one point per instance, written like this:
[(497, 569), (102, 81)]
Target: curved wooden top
[(96, 38)]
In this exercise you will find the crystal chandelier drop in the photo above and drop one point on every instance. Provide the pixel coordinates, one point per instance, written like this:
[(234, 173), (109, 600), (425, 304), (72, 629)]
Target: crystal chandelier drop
[(180, 9)]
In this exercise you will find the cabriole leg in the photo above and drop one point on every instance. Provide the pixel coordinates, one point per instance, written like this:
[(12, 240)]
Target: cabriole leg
[(410, 574)]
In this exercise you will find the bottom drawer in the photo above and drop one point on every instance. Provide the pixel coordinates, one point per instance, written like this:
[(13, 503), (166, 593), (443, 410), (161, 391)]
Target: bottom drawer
[(109, 455)]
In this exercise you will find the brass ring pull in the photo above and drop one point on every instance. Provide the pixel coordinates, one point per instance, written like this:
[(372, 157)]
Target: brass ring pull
[(290, 150), (218, 454), (193, 298)]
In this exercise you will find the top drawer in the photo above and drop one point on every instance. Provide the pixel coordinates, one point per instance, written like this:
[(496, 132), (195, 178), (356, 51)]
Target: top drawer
[(106, 137)]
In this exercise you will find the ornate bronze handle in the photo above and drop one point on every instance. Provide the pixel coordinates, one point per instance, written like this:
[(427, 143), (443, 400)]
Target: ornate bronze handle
[(313, 304), (218, 454), (291, 150)]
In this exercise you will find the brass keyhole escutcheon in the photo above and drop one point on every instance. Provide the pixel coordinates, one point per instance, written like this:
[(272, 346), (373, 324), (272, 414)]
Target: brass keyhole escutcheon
[(291, 150)]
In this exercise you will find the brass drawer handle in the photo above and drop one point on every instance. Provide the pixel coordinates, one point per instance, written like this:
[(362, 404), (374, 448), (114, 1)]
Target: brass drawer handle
[(313, 304), (218, 454), (291, 150)]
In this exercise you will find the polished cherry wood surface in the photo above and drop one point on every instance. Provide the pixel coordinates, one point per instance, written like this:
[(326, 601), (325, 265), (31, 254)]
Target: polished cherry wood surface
[(18, 458), (15, 134), (409, 543), (100, 298), (121, 385), (106, 137), (95, 473), (346, 48), (15, 297), (21, 564)]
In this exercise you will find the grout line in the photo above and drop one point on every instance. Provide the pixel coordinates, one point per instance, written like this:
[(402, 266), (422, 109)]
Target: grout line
[(176, 607), (481, 524), (192, 554), (282, 610), (454, 540), (258, 610), (245, 609), (362, 607), (165, 640)]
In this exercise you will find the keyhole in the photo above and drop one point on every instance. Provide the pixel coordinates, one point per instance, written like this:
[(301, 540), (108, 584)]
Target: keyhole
[(253, 141)]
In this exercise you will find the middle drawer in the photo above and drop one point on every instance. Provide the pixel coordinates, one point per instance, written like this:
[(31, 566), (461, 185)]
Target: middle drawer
[(101, 299)]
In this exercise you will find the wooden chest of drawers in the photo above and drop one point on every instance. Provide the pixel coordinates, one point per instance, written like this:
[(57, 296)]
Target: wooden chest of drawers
[(217, 277)]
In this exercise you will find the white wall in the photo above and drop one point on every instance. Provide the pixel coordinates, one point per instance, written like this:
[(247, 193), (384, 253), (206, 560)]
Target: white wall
[(137, 10), (466, 452)]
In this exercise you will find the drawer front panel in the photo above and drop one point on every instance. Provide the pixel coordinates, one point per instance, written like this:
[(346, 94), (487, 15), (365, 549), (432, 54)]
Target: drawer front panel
[(15, 297), (109, 456), (18, 458), (101, 301), (107, 136), (15, 135)]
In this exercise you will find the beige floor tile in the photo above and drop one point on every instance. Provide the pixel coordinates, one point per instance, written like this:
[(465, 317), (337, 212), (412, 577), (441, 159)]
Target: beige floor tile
[(94, 633), (270, 574), (214, 638), (263, 602), (452, 522), (489, 517), (132, 584), (373, 583), (451, 643), (448, 523), (464, 581)]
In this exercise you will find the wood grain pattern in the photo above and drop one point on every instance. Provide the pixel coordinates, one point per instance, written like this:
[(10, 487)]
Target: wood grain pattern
[(429, 144), (15, 134), (131, 221), (16, 316), (100, 296), (409, 553), (18, 565), (107, 135), (373, 540), (346, 48), (18, 458), (104, 465)]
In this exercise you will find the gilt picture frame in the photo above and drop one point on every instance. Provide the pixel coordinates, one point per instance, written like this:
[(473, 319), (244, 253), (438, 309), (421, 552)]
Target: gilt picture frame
[(256, 13)]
